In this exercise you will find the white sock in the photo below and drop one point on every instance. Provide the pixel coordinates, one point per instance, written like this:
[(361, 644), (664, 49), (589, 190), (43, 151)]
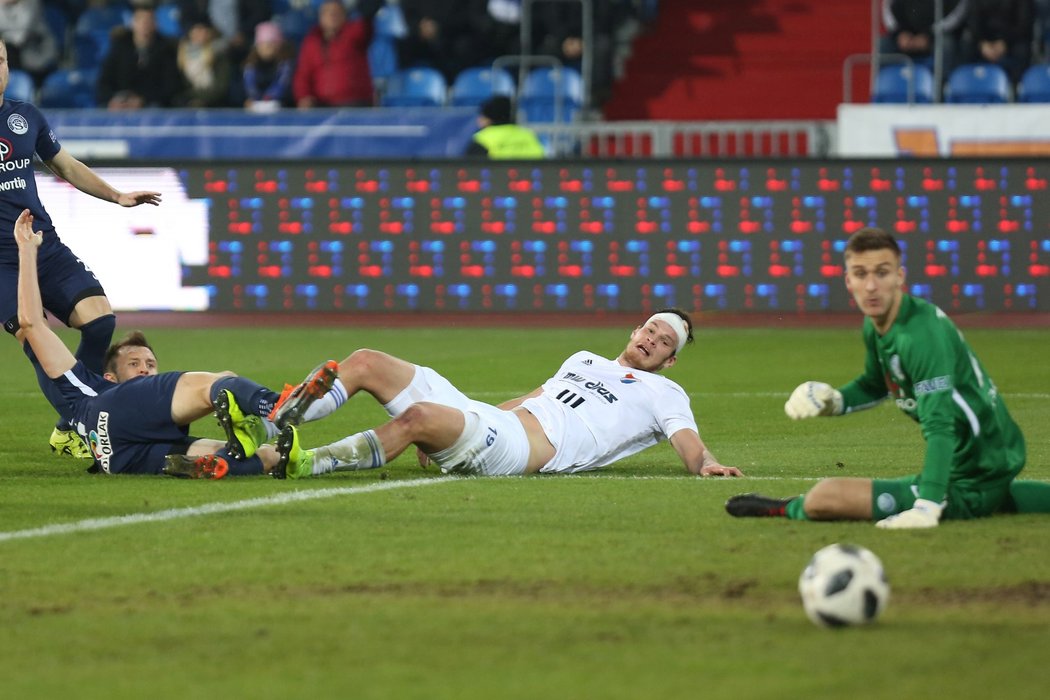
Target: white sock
[(327, 404), (271, 428), (360, 451)]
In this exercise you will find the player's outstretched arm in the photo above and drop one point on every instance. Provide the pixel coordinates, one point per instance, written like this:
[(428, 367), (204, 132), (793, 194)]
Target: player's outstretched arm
[(697, 458), (812, 399), (84, 179), (52, 354)]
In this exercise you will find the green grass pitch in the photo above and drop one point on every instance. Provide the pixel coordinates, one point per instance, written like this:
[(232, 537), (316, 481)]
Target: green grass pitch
[(631, 582)]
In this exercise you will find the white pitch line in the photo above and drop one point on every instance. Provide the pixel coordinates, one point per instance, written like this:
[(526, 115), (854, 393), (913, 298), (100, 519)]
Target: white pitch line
[(211, 509), (731, 394)]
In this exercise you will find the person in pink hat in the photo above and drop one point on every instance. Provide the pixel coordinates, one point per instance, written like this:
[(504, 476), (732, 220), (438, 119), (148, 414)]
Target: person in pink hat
[(268, 70)]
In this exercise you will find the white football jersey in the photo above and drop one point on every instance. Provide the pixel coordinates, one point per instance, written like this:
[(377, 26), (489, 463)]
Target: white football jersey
[(596, 411)]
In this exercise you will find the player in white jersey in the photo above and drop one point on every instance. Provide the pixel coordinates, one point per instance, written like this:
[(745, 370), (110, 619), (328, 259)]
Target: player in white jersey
[(591, 413)]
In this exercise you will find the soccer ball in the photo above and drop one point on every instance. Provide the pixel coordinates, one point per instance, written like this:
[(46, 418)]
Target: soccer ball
[(843, 584)]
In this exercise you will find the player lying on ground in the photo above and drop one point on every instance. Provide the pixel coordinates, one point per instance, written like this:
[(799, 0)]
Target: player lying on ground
[(917, 357), (134, 420), (70, 291), (591, 413)]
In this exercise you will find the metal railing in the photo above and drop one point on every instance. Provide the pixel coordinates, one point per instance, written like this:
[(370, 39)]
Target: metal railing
[(715, 139)]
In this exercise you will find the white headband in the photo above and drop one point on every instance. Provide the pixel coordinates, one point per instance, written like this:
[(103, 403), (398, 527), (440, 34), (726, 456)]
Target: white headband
[(677, 324)]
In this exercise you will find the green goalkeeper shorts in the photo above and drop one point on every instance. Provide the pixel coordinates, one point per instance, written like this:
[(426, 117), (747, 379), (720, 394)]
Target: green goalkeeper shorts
[(890, 496)]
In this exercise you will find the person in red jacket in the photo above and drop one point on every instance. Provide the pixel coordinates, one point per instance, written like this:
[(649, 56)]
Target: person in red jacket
[(333, 61)]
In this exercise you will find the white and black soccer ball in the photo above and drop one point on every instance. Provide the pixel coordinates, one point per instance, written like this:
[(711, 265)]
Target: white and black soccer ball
[(843, 584)]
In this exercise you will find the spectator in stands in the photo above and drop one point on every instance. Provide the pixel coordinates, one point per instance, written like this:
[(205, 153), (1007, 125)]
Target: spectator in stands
[(333, 70), (234, 20), (141, 68), (268, 70), (499, 138), (1000, 32), (911, 27), (205, 67), (30, 44), (558, 31), (496, 24), (438, 36)]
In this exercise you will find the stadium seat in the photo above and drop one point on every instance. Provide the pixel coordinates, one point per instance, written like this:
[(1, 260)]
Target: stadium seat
[(91, 33), (169, 20), (978, 83), (294, 24), (58, 23), (390, 22), (1035, 84), (473, 86), (382, 59), (20, 86), (415, 87), (551, 94), (69, 89), (903, 83)]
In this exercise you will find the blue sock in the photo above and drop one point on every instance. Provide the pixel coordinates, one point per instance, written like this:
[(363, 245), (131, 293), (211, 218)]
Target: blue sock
[(253, 398), (95, 338), (252, 466)]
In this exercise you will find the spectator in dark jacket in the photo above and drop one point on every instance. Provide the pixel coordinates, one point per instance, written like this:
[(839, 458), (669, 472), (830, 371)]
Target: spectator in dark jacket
[(333, 70), (1000, 32), (911, 29), (141, 68)]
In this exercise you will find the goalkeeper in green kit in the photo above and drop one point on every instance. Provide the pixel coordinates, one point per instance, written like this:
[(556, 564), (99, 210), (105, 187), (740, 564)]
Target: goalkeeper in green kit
[(916, 356)]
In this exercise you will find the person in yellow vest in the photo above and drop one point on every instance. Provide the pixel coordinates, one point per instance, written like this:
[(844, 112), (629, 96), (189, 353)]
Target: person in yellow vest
[(498, 137)]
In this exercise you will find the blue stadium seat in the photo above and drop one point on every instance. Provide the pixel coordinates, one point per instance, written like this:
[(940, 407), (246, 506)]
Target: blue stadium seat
[(978, 83), (390, 22), (551, 94), (169, 20), (69, 89), (92, 32), (295, 24), (1035, 84), (472, 86), (20, 86), (58, 23), (415, 87), (382, 59), (903, 83)]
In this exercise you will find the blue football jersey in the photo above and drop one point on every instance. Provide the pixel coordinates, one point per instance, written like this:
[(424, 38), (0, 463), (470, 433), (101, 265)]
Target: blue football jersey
[(23, 132)]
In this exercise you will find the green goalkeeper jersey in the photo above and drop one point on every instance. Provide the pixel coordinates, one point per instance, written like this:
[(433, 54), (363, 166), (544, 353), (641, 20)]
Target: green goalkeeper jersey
[(925, 365)]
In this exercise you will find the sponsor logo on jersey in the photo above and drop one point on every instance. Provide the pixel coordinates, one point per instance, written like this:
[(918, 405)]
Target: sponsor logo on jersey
[(592, 384), (17, 124), (628, 379), (929, 386), (907, 405), (99, 441), (588, 361)]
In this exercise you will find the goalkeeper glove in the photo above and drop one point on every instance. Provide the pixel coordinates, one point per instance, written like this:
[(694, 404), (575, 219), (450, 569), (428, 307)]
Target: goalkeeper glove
[(923, 514), (812, 399)]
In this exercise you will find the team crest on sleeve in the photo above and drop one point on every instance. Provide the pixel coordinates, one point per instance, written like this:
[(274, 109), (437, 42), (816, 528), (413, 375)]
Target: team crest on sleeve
[(17, 124)]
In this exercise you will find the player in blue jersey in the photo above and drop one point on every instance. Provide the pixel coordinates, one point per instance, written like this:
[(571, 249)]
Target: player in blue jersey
[(135, 420), (70, 291), (917, 357)]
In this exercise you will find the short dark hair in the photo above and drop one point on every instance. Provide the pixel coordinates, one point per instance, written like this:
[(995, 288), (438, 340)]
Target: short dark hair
[(872, 239), (498, 109), (134, 339), (685, 317)]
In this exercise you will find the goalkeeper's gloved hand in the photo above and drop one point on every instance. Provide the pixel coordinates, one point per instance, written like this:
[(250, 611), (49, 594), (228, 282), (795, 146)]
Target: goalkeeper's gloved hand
[(922, 515), (812, 399)]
